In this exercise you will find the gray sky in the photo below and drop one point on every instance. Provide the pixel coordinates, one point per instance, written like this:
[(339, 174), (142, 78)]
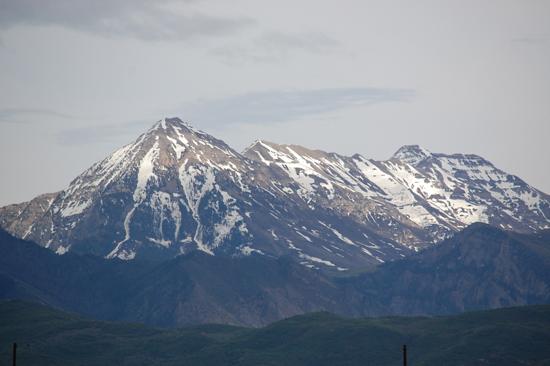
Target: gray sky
[(81, 78)]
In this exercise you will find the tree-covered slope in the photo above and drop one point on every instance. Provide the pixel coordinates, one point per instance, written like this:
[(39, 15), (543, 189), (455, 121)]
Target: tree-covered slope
[(507, 336)]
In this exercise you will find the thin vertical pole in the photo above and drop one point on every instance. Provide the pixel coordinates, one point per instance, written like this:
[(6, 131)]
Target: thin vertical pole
[(14, 354), (404, 355)]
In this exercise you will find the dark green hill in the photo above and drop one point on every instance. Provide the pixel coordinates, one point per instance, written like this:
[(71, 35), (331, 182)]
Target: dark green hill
[(507, 336), (46, 336), (510, 336)]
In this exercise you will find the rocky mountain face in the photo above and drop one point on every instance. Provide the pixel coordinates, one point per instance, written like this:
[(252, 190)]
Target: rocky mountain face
[(189, 289), (479, 268), (177, 189)]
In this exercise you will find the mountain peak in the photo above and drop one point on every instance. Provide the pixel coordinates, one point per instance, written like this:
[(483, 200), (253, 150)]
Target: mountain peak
[(167, 122), (412, 154), (181, 139), (252, 145), (175, 127)]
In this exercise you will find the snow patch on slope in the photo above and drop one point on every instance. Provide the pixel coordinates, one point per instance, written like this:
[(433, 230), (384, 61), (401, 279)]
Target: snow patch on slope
[(146, 173), (196, 181)]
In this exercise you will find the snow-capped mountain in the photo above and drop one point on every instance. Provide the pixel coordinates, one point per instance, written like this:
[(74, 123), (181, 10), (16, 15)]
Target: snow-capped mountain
[(441, 194), (463, 189), (177, 189)]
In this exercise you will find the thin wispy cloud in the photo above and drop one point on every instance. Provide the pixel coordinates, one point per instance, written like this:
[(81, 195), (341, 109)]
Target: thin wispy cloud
[(26, 115), (282, 106), (273, 46), (143, 19), (102, 133)]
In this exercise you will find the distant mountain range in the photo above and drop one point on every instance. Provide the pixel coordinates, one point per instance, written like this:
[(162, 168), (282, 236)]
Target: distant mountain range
[(177, 189), (481, 267)]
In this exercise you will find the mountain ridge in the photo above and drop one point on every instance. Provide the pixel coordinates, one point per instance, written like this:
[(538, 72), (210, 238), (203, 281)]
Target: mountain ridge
[(481, 267), (190, 289), (176, 189)]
